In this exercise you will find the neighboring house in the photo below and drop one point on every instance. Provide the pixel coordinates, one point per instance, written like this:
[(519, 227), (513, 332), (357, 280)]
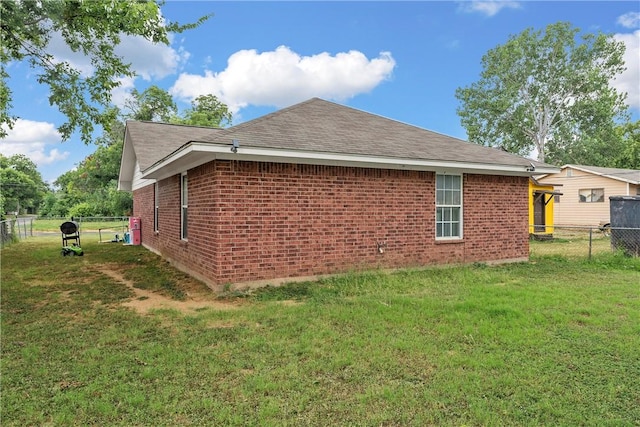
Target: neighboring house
[(320, 188), (541, 201), (586, 191)]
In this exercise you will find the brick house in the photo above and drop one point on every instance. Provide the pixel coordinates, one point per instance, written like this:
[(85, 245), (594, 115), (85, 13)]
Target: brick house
[(320, 188)]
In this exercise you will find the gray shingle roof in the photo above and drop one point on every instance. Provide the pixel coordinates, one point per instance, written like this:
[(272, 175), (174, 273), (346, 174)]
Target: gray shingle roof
[(153, 141), (323, 126), (629, 175), (317, 125)]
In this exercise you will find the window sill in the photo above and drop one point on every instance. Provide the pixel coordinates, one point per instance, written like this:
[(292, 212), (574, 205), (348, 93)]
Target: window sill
[(449, 241)]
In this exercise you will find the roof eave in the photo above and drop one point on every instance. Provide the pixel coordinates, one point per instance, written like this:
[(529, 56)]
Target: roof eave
[(127, 164), (195, 154), (603, 174)]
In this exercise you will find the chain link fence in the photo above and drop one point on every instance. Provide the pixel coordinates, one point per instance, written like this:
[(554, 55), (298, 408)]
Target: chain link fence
[(87, 220), (16, 229), (13, 230), (581, 241)]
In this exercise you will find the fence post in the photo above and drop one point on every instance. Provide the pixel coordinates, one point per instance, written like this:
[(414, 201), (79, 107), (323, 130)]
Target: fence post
[(590, 240)]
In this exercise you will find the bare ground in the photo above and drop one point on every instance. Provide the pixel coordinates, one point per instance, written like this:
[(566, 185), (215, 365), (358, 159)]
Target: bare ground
[(146, 301)]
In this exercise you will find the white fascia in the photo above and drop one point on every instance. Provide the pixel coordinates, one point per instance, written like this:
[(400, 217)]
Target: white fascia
[(195, 154)]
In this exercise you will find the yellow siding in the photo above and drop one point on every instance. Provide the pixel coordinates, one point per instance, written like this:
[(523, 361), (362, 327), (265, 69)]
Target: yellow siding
[(570, 211)]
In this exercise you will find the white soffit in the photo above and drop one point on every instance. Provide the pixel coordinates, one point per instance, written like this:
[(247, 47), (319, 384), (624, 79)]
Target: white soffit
[(195, 154)]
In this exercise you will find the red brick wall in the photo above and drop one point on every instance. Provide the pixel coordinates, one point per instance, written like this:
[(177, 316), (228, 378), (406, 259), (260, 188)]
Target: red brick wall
[(496, 217), (252, 221)]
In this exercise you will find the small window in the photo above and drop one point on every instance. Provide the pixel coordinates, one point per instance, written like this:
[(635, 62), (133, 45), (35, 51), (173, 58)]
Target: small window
[(556, 199), (591, 195), (184, 202), (448, 206), (569, 173), (156, 208)]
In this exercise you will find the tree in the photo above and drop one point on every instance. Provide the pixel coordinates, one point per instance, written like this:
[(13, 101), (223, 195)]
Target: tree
[(92, 27), (157, 105), (545, 91), (629, 157), (206, 110), (22, 186), (91, 188), (153, 104)]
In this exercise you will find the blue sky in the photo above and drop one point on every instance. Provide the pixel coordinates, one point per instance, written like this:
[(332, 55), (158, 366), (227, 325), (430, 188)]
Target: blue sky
[(402, 60)]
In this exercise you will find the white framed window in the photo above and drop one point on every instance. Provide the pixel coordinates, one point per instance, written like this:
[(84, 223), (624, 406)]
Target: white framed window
[(184, 203), (591, 195), (156, 206), (448, 206)]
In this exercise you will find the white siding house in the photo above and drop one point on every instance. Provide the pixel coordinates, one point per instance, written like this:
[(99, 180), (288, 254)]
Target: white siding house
[(586, 191)]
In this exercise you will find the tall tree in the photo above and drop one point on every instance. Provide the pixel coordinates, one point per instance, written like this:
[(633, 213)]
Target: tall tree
[(545, 90), (91, 27)]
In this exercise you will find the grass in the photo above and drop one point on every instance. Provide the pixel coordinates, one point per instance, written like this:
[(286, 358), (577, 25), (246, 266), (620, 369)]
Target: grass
[(550, 342), (43, 224), (572, 243)]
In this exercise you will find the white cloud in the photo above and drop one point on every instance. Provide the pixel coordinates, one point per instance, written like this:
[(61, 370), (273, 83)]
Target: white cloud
[(630, 20), (629, 81), (120, 94), (489, 8), (149, 60), (282, 77), (32, 138)]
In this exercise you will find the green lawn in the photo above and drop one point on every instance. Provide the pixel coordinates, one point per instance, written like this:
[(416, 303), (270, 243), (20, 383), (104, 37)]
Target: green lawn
[(44, 224), (118, 337)]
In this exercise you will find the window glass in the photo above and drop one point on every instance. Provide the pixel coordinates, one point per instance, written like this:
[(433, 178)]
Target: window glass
[(448, 206), (591, 195), (156, 207), (184, 201)]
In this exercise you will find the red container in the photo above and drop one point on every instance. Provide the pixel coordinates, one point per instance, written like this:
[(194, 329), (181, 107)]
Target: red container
[(135, 229)]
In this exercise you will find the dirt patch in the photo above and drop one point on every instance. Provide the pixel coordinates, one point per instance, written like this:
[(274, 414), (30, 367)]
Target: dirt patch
[(145, 301)]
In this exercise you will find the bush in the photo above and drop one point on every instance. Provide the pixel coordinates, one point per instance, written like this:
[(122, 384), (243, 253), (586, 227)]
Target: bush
[(53, 205), (81, 209)]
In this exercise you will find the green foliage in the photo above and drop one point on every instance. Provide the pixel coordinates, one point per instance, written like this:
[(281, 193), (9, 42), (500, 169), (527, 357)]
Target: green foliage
[(82, 209), (545, 90), (629, 156), (152, 104), (156, 104), (91, 27), (206, 110), (22, 186), (52, 205), (93, 183), (619, 148)]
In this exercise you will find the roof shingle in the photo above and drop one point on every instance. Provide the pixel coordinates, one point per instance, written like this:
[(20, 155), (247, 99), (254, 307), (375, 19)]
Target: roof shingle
[(320, 126)]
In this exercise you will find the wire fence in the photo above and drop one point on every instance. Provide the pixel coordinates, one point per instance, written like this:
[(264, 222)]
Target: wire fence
[(84, 219), (581, 241), (568, 241), (13, 230)]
